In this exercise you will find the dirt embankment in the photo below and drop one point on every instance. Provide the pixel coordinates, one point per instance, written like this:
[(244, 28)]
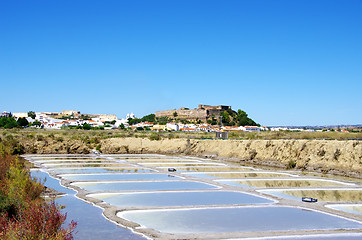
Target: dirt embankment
[(329, 156)]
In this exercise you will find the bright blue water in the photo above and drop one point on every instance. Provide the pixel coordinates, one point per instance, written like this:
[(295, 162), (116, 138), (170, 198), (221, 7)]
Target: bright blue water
[(91, 223), (243, 219), (104, 177), (102, 170), (180, 199), (144, 186)]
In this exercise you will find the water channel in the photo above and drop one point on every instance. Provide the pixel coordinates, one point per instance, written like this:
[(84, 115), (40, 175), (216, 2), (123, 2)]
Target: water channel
[(135, 196)]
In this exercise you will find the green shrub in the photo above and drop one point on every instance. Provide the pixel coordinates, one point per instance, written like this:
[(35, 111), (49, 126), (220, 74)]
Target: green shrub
[(155, 136), (291, 164)]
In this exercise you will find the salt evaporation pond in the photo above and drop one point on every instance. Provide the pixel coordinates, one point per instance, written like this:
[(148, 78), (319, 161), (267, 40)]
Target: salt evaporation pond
[(162, 161), (177, 204), (350, 208), (79, 165), (143, 186), (117, 176), (283, 183), (90, 226), (83, 161), (210, 169), (177, 164), (159, 199), (323, 195), (102, 170), (239, 174), (236, 219)]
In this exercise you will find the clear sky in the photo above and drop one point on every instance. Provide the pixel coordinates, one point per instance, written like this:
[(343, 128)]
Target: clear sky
[(284, 62)]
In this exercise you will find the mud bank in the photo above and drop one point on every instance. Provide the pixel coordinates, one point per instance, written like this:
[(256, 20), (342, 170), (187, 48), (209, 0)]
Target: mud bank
[(327, 156)]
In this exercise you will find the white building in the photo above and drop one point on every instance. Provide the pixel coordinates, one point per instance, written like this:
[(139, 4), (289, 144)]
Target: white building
[(173, 126)]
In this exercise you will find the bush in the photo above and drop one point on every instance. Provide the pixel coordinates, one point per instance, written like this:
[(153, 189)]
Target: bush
[(98, 148), (291, 164), (155, 136), (23, 213)]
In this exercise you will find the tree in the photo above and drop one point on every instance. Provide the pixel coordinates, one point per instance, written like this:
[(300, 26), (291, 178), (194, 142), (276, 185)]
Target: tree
[(36, 123), (8, 122), (225, 118), (86, 126), (175, 114), (31, 114), (85, 117), (122, 126), (149, 118), (23, 122), (244, 120), (132, 121)]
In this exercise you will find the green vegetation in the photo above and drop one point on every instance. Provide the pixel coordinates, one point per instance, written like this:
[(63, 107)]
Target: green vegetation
[(147, 118), (155, 136), (23, 213), (31, 114), (8, 122), (239, 118)]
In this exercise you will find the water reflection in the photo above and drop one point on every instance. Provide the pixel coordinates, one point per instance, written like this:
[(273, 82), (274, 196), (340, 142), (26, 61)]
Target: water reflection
[(239, 175), (179, 199), (63, 165), (145, 186), (175, 164), (115, 176), (102, 170), (283, 183), (237, 219), (323, 195), (214, 169), (91, 223), (351, 208), (84, 161)]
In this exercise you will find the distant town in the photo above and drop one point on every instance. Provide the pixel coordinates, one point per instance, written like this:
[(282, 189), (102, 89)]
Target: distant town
[(205, 118)]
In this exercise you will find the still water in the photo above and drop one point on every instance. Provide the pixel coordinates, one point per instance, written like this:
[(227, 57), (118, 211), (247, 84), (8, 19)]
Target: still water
[(143, 186), (160, 199), (116, 176), (90, 222), (102, 170), (236, 219), (323, 195), (284, 183)]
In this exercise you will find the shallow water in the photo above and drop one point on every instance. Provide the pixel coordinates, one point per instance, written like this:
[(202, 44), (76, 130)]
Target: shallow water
[(79, 165), (102, 170), (323, 195), (83, 161), (333, 236), (162, 161), (350, 208), (143, 186), (91, 225), (125, 184), (116, 176), (176, 164), (239, 175), (179, 199), (283, 183), (237, 219)]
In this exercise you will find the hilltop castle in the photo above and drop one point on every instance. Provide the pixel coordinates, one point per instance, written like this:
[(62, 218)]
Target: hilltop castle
[(203, 112)]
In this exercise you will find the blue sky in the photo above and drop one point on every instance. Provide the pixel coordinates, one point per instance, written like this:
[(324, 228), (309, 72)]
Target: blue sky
[(283, 62)]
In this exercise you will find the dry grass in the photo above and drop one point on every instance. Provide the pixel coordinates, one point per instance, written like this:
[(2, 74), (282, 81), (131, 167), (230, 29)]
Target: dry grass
[(95, 136)]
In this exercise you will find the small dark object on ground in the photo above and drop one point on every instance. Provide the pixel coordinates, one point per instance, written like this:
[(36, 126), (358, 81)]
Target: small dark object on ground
[(172, 169), (308, 199)]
